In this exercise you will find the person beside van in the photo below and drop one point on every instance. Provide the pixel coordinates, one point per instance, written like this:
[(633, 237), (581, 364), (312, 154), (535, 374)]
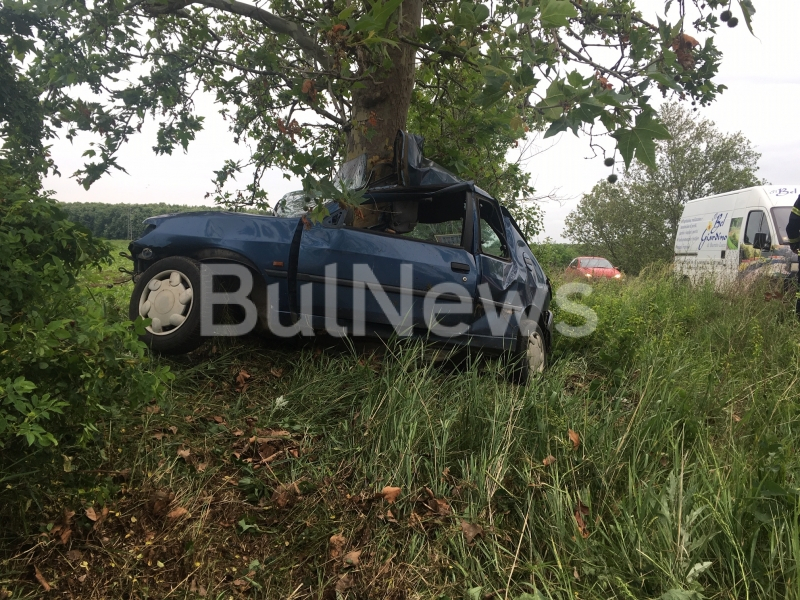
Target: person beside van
[(793, 227), (793, 235)]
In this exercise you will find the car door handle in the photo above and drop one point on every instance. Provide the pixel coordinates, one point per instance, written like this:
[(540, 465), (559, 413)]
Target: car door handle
[(459, 267)]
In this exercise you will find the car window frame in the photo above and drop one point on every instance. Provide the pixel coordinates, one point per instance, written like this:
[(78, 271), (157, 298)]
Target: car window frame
[(504, 240), (466, 230)]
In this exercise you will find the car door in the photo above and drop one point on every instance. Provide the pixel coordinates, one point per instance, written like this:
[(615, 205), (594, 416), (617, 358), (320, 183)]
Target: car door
[(369, 281), (502, 278)]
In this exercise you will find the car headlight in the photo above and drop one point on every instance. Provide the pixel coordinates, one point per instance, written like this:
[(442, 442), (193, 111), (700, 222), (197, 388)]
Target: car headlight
[(618, 275)]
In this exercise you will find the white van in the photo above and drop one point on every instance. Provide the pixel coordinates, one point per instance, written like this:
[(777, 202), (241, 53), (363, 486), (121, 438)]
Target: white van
[(737, 234)]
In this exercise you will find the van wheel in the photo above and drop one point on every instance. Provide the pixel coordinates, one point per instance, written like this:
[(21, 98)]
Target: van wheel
[(531, 356), (168, 293)]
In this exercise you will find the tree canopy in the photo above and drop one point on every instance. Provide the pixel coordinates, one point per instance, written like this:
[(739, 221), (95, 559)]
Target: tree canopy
[(634, 221), (307, 83)]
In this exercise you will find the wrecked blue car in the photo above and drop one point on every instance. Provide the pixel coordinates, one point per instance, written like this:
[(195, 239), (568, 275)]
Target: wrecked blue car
[(424, 255)]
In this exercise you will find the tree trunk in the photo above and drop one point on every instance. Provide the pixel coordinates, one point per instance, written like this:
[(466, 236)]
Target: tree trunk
[(381, 108)]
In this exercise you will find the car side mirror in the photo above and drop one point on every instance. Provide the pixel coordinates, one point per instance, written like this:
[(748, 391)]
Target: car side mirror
[(762, 241)]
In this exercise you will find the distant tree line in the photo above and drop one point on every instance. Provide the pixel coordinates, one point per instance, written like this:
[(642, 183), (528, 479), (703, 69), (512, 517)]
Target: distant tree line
[(120, 221)]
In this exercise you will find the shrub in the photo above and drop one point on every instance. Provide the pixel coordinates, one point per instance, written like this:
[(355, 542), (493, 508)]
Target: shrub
[(63, 354)]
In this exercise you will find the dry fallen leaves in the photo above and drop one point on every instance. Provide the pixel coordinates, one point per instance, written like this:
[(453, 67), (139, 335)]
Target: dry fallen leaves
[(285, 494), (389, 517), (91, 514), (100, 518), (243, 584), (438, 507), (390, 493), (177, 513), (345, 582), (219, 419), (153, 410), (580, 512), (352, 558), (40, 578), (471, 531), (276, 372), (575, 439), (159, 502), (241, 381), (74, 555), (549, 460), (64, 529), (337, 543), (184, 453)]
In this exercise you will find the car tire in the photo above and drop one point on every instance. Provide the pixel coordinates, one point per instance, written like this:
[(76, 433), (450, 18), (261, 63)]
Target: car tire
[(168, 292), (531, 356)]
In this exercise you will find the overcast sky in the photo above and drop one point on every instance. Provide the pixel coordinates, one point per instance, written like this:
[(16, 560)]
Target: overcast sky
[(761, 101)]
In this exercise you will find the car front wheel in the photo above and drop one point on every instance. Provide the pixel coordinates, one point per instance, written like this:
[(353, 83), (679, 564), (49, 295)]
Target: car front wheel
[(168, 293), (531, 357)]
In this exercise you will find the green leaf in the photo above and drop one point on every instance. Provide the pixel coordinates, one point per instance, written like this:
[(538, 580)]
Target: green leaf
[(482, 12), (489, 95), (527, 13), (612, 98), (381, 13), (575, 79), (660, 78), (557, 12), (748, 10), (475, 593), (346, 13), (590, 110), (426, 32), (556, 128), (649, 125), (551, 105), (636, 142)]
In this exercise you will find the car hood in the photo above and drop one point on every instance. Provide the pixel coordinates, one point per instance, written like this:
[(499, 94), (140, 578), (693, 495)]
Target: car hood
[(158, 219)]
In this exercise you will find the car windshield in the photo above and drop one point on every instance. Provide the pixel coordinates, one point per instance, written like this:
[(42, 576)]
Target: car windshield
[(596, 263), (780, 215)]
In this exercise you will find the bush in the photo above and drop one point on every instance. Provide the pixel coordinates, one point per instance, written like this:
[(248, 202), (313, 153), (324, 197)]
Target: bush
[(64, 355)]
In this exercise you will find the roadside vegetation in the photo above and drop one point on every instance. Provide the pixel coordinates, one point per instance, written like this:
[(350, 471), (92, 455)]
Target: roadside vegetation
[(655, 459)]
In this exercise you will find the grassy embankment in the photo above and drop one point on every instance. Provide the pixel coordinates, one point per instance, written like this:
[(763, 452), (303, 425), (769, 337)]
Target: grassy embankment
[(260, 473)]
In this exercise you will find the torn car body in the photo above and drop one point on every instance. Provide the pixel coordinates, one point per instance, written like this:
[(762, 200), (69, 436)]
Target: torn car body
[(439, 260)]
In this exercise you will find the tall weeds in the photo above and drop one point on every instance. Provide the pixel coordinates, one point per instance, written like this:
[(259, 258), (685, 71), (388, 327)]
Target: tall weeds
[(682, 482)]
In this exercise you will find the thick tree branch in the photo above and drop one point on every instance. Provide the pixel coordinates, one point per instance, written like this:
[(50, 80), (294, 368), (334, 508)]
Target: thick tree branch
[(273, 22)]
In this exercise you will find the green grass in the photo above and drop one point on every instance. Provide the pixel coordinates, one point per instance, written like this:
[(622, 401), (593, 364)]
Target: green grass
[(684, 482)]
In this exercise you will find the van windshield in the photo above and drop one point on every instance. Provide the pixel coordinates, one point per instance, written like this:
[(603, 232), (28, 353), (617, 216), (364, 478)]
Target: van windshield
[(780, 216)]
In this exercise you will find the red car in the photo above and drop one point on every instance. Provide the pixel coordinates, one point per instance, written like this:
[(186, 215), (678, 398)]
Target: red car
[(590, 267)]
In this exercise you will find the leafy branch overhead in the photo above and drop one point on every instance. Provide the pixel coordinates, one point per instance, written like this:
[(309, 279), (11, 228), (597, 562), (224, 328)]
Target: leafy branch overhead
[(307, 84)]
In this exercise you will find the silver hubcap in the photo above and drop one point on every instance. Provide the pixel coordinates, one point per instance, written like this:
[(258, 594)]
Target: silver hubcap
[(167, 299), (535, 353)]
